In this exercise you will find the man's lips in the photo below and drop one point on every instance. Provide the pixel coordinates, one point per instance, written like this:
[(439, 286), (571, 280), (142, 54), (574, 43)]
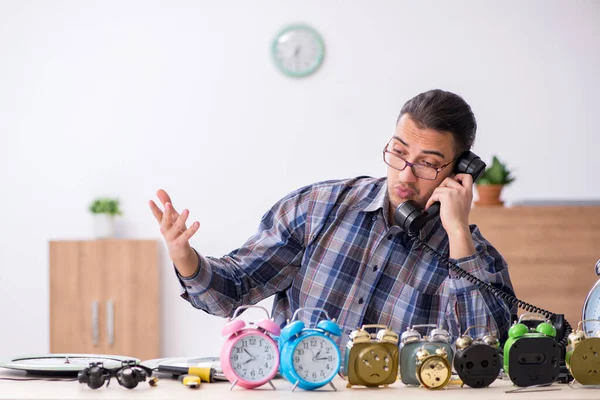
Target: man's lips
[(403, 192)]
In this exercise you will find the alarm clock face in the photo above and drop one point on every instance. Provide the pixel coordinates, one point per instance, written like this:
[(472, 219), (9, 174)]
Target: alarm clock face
[(253, 358), (591, 309), (585, 362), (374, 364), (434, 372), (316, 359)]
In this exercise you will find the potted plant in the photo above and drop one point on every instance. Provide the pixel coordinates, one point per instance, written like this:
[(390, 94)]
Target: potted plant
[(491, 182), (105, 210)]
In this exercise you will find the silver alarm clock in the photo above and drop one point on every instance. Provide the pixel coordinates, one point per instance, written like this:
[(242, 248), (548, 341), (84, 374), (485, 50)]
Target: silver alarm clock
[(591, 307)]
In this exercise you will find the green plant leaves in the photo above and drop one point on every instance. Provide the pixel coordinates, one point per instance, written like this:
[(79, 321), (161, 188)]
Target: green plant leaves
[(496, 174), (105, 206)]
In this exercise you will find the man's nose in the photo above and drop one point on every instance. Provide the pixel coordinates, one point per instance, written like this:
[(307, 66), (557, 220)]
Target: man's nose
[(407, 174)]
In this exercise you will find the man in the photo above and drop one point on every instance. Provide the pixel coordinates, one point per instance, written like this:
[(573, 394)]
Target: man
[(334, 244)]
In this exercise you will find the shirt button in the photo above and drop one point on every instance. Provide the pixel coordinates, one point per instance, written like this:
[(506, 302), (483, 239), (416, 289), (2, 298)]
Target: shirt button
[(360, 301), (374, 218), (374, 268), (188, 286)]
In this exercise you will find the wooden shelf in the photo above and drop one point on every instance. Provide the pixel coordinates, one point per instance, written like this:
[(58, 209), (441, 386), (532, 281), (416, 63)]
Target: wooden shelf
[(551, 252)]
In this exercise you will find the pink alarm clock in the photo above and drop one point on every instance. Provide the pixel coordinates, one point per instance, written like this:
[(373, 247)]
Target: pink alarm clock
[(249, 356)]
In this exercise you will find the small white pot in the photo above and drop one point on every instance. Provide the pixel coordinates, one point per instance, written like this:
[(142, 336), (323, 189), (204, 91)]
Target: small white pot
[(104, 226)]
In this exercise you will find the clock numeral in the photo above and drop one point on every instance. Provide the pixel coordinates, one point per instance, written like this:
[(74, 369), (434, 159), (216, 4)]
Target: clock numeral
[(300, 352), (267, 349), (313, 343), (252, 341), (297, 359), (305, 345)]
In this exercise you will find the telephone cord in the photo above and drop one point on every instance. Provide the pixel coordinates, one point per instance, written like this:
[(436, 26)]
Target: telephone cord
[(507, 297)]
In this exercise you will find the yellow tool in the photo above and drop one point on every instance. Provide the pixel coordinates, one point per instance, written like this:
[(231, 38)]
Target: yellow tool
[(191, 381), (205, 374)]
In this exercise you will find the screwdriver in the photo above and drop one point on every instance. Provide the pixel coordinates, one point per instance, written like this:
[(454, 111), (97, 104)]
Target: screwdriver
[(206, 374), (191, 381)]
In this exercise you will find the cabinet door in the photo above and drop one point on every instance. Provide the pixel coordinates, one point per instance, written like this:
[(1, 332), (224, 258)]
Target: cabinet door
[(131, 298), (75, 298)]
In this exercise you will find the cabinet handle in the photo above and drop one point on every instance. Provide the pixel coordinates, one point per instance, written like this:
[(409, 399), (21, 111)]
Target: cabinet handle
[(95, 332), (110, 321)]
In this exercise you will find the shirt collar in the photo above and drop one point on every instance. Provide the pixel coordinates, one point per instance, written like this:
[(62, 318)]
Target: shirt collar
[(376, 199)]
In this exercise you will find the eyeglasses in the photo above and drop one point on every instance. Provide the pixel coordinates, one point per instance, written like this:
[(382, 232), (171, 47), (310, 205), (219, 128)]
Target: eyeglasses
[(421, 171)]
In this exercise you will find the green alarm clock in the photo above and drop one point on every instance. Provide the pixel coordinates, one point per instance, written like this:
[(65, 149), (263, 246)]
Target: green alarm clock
[(425, 360), (298, 50), (532, 355), (310, 358)]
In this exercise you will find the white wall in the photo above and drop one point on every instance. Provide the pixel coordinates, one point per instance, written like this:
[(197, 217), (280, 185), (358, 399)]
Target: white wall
[(120, 98)]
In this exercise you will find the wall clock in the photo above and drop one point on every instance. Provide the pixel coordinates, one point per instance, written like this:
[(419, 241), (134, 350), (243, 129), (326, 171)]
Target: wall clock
[(298, 50)]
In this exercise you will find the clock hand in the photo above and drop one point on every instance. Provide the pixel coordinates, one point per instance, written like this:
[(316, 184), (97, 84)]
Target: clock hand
[(252, 358)]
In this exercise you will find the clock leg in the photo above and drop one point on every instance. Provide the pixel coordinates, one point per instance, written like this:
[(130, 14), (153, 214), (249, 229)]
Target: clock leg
[(334, 388), (273, 386), (232, 386), (295, 385)]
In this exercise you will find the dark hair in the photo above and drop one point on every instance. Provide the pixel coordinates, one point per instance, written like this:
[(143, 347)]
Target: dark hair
[(443, 111)]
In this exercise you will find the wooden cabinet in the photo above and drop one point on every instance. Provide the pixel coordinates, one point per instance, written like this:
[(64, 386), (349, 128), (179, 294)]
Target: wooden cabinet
[(104, 297), (550, 250)]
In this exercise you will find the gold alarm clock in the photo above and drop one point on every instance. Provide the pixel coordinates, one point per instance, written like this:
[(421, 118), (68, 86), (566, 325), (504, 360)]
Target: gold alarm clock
[(583, 355), (371, 358), (433, 370)]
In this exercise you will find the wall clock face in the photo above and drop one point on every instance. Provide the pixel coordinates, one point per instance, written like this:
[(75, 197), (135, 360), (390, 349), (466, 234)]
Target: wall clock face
[(298, 50)]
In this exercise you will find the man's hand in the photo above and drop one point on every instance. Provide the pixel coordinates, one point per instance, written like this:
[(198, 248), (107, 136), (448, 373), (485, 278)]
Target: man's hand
[(176, 233), (455, 195)]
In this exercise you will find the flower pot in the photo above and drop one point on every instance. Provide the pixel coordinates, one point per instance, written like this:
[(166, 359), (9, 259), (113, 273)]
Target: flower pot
[(104, 226), (489, 195)]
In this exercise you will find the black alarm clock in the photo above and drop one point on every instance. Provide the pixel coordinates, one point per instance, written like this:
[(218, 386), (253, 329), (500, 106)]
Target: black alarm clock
[(477, 361)]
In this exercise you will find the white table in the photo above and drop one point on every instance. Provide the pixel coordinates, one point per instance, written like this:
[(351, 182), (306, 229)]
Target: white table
[(169, 388)]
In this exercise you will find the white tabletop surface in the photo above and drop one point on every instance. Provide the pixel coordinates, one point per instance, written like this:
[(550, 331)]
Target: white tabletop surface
[(169, 388)]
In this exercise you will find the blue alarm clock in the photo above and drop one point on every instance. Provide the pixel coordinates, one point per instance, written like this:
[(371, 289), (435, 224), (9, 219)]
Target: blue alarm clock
[(309, 357)]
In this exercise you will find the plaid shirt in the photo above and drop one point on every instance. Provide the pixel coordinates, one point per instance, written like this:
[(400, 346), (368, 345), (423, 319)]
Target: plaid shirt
[(330, 245)]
